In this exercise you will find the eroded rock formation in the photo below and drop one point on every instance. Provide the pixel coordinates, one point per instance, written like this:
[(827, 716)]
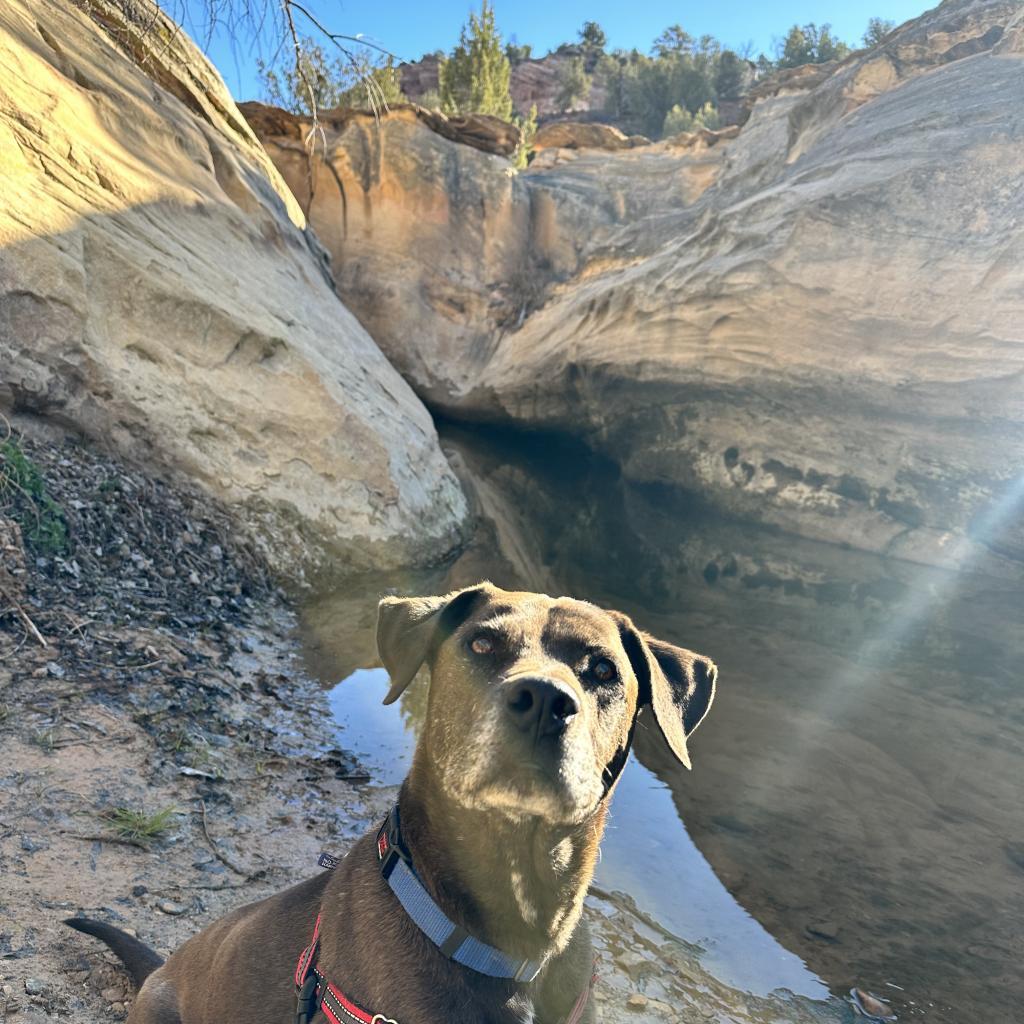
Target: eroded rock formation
[(814, 324), (159, 293)]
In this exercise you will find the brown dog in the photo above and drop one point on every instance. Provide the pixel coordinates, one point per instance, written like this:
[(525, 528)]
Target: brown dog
[(530, 717)]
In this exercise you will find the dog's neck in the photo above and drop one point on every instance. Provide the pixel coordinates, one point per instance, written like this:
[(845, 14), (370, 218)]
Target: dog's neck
[(517, 885)]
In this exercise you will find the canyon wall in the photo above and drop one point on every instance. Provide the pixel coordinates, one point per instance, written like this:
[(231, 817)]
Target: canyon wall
[(813, 322), (161, 295)]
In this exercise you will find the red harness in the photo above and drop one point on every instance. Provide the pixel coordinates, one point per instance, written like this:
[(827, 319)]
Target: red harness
[(316, 992)]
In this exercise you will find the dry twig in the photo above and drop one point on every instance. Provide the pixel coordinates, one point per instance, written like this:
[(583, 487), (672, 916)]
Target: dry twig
[(217, 852)]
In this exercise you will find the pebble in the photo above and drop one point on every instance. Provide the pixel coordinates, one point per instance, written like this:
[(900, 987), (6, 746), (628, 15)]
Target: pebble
[(636, 1002), (113, 994), (139, 890), (34, 987), (54, 670), (633, 963), (828, 930), (172, 908), (871, 1006)]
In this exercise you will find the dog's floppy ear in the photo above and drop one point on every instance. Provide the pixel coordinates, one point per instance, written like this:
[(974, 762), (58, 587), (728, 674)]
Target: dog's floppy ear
[(677, 684), (409, 627)]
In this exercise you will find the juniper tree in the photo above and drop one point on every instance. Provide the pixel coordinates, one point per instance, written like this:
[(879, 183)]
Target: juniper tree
[(809, 44), (573, 84), (877, 30), (475, 78)]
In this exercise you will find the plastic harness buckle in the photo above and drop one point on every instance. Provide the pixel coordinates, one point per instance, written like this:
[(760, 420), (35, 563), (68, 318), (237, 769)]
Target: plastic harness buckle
[(306, 1001)]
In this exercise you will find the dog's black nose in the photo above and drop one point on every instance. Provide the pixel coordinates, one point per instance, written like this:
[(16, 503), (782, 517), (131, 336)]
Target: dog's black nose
[(541, 705)]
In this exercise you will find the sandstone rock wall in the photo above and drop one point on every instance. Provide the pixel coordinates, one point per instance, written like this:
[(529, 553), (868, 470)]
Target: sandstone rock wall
[(814, 324), (442, 250), (159, 293)]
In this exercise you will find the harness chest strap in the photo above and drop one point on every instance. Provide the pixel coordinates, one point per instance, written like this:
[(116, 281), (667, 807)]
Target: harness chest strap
[(453, 941), (315, 992)]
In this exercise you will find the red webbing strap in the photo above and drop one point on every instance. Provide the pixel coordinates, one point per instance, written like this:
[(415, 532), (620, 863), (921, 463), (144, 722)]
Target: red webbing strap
[(339, 1010), (307, 956), (576, 1013)]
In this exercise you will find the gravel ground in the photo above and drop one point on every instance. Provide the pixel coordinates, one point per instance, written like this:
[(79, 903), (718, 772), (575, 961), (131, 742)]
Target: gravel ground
[(147, 665)]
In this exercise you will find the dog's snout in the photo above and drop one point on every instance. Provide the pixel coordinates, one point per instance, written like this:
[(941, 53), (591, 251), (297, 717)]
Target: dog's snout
[(542, 705)]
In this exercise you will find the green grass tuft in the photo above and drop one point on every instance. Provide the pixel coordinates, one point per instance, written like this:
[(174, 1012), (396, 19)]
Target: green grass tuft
[(138, 826)]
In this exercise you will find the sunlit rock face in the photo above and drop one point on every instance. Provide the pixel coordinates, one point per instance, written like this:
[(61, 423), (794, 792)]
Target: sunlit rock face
[(160, 294), (815, 324), (442, 250)]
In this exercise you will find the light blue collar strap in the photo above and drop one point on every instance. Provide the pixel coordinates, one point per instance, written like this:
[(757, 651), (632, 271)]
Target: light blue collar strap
[(453, 940)]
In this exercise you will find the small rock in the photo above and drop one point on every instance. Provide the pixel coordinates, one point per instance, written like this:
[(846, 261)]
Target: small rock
[(139, 890), (112, 995), (54, 670), (34, 987), (172, 908), (215, 601), (870, 1006), (247, 645), (636, 1002), (633, 963), (827, 930)]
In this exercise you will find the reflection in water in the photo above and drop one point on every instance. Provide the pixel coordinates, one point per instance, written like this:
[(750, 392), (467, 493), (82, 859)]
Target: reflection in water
[(907, 616), (648, 854), (856, 787), (379, 737), (646, 851)]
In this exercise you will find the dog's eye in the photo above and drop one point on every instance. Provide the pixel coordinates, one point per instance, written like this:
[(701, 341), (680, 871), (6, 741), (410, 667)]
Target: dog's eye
[(603, 670), (481, 644)]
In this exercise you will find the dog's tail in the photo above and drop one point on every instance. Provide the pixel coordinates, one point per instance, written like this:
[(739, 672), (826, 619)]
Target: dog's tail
[(140, 960)]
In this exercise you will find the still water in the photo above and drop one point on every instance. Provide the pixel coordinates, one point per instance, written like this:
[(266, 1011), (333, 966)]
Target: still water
[(855, 813)]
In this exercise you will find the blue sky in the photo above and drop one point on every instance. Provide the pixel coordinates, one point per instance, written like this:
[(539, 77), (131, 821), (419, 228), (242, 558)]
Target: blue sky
[(410, 28)]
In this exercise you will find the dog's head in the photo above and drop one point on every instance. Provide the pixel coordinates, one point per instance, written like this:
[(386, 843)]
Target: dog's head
[(533, 699)]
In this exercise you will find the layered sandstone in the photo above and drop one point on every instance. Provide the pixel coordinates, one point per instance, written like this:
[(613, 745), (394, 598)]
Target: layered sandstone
[(160, 294), (813, 323)]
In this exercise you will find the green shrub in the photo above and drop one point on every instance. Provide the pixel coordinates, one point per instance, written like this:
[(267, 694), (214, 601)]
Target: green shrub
[(679, 119), (527, 132), (41, 519)]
